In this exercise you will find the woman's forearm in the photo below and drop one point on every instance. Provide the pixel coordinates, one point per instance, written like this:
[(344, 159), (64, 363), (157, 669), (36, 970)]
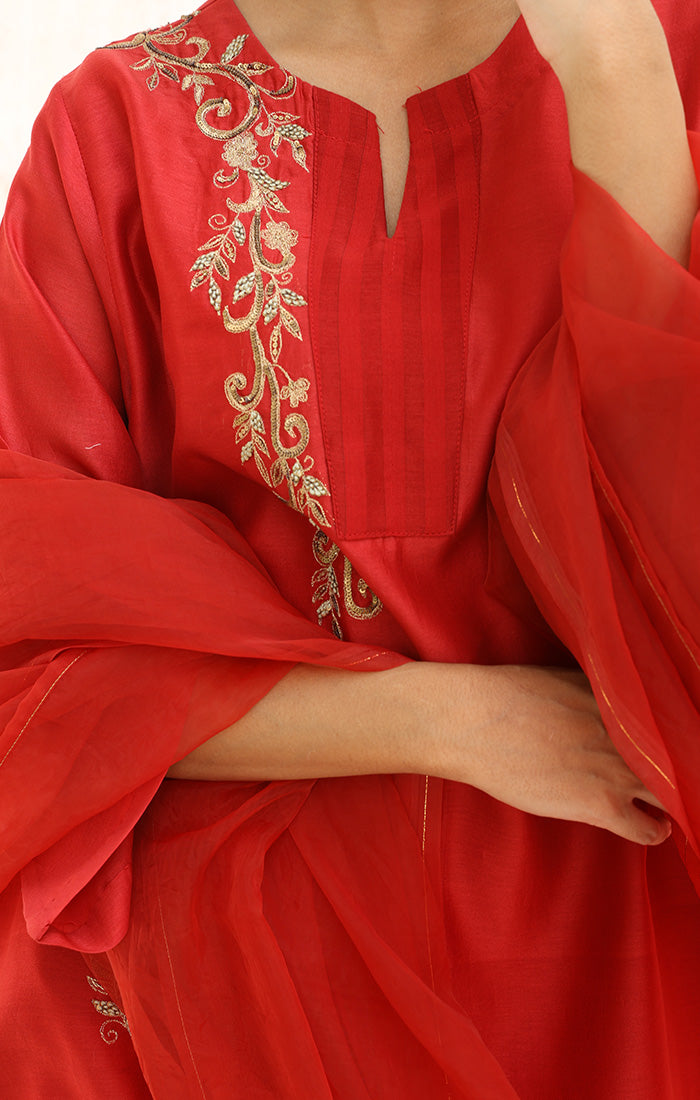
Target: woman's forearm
[(318, 722), (530, 737)]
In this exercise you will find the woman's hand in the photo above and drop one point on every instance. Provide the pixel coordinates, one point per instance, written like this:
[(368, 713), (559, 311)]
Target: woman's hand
[(542, 748), (530, 737)]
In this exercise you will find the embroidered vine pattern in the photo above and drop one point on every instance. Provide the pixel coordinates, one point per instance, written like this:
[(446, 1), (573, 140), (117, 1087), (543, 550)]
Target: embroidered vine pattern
[(262, 303), (112, 1011), (326, 594)]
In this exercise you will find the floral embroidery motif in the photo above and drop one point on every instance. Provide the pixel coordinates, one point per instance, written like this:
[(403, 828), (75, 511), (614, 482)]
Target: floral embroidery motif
[(109, 1009), (255, 224)]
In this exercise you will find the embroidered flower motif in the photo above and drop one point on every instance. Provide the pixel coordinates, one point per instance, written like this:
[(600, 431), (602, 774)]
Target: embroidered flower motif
[(240, 151), (280, 236), (295, 391)]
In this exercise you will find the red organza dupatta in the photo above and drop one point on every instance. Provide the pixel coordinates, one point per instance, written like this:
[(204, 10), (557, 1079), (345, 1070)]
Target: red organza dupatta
[(596, 484), (165, 628)]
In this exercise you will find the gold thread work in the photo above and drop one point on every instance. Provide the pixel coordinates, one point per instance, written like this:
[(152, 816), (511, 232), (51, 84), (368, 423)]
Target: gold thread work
[(262, 303), (106, 1007)]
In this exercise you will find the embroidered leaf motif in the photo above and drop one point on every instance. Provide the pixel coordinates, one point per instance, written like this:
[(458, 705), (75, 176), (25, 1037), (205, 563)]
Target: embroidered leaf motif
[(276, 343), (262, 469), (215, 296), (196, 81), (278, 472), (269, 183), (169, 72), (270, 310), (290, 323), (291, 297), (275, 203), (203, 263), (239, 231), (247, 451), (324, 609), (244, 286), (222, 267), (107, 1008), (233, 49), (153, 80), (293, 131), (317, 513), (314, 487), (199, 278), (256, 422), (299, 153)]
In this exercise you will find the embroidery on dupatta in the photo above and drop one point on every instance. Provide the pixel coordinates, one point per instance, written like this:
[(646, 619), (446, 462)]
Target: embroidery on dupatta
[(255, 224), (112, 1011)]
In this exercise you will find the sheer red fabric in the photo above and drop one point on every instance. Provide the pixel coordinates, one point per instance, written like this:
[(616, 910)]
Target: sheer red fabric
[(207, 341), (603, 522)]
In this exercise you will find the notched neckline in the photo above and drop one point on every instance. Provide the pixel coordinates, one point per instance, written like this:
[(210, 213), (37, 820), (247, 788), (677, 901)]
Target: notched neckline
[(513, 47)]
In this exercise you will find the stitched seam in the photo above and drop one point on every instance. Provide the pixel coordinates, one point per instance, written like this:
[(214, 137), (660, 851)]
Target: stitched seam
[(177, 997), (648, 578), (40, 704), (622, 726)]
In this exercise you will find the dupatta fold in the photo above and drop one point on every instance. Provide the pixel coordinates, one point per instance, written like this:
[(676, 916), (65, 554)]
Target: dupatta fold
[(132, 626), (596, 482)]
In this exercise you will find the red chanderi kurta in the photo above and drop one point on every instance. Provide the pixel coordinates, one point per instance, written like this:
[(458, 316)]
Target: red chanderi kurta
[(244, 428)]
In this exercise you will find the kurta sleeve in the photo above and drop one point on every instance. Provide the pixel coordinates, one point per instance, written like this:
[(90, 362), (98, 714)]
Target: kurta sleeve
[(132, 626), (596, 483)]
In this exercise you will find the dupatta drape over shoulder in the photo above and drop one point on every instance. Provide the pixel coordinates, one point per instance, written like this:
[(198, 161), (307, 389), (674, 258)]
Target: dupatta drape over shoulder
[(596, 484)]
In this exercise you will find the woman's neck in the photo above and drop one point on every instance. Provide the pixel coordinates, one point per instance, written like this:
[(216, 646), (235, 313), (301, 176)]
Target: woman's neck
[(384, 44), (378, 54)]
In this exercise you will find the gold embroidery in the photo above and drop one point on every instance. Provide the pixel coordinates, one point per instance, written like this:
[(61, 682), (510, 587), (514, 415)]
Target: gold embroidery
[(278, 448), (253, 223), (327, 591), (109, 1009)]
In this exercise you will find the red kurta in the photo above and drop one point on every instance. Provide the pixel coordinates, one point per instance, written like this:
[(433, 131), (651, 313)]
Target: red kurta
[(208, 341)]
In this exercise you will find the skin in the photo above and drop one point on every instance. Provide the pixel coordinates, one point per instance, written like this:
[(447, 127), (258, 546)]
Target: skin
[(532, 738)]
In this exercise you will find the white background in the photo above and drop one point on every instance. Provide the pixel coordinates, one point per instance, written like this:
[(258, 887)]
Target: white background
[(42, 40)]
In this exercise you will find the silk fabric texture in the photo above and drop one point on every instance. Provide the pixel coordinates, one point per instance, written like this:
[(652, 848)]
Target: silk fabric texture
[(373, 936)]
